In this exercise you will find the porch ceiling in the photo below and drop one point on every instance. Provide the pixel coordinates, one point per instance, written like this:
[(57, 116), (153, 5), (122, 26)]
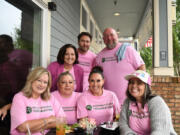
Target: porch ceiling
[(131, 14)]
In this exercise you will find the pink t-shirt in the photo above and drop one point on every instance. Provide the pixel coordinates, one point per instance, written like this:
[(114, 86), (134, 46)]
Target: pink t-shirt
[(102, 108), (24, 109), (69, 105), (114, 72), (86, 61), (139, 123)]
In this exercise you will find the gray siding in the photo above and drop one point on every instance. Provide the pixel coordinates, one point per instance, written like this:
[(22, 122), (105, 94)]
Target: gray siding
[(65, 25)]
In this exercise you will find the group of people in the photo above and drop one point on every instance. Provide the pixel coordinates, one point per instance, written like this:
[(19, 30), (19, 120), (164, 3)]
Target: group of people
[(80, 85)]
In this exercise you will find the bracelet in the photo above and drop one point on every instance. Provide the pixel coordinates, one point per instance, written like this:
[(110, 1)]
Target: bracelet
[(44, 125), (44, 122)]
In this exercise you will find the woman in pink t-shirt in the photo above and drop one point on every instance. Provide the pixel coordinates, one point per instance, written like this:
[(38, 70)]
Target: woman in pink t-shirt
[(66, 96), (67, 60), (33, 107), (143, 113), (97, 103)]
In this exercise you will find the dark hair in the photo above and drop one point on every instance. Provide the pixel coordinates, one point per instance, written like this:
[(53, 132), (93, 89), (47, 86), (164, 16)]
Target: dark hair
[(96, 69), (146, 97), (84, 34), (6, 42), (6, 46), (64, 74), (62, 52)]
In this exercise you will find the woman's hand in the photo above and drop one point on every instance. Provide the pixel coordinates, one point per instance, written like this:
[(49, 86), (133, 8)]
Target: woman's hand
[(3, 111), (50, 122), (38, 125), (51, 119)]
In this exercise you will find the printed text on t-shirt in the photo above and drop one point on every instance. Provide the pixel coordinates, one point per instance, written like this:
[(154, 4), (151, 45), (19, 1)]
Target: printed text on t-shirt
[(109, 59), (103, 106), (38, 109)]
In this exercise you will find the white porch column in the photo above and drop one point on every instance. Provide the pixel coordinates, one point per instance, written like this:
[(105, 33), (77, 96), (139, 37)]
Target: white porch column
[(163, 47)]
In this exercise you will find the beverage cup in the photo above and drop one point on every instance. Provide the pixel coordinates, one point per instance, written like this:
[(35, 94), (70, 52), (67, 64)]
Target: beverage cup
[(117, 117), (109, 124), (60, 125)]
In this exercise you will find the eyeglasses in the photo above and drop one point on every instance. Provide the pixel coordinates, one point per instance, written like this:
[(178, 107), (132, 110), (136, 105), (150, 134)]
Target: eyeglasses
[(42, 82), (65, 83)]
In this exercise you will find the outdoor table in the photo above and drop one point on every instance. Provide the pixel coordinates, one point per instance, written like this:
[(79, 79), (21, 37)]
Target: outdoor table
[(97, 131)]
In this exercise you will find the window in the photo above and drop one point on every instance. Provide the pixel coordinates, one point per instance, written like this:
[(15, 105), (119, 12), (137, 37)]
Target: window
[(84, 18), (100, 40), (97, 36), (135, 45), (91, 27), (21, 20)]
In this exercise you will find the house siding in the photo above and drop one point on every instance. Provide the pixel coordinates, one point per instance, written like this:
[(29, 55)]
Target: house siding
[(65, 25)]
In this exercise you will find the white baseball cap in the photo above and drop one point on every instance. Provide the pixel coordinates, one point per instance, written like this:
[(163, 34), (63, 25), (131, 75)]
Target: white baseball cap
[(140, 74)]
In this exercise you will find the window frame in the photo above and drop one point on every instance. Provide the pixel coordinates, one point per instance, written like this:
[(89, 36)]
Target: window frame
[(45, 33)]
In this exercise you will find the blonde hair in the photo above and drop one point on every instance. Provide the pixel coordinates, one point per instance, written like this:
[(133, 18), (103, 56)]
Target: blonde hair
[(33, 76)]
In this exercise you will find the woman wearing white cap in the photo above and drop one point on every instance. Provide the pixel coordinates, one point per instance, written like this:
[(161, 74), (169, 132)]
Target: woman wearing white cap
[(142, 112)]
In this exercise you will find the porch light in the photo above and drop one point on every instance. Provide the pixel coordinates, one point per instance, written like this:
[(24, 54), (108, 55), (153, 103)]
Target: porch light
[(116, 14)]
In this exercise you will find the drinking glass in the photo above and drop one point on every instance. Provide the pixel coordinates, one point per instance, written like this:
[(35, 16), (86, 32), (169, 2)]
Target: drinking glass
[(60, 125), (117, 117)]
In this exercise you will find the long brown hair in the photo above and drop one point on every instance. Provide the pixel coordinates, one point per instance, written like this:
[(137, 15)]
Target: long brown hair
[(146, 97)]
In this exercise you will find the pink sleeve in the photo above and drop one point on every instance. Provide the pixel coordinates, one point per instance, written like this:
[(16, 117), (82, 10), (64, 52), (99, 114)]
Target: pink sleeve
[(134, 57), (52, 68), (18, 111), (57, 107), (116, 107), (81, 107), (94, 61), (97, 60)]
